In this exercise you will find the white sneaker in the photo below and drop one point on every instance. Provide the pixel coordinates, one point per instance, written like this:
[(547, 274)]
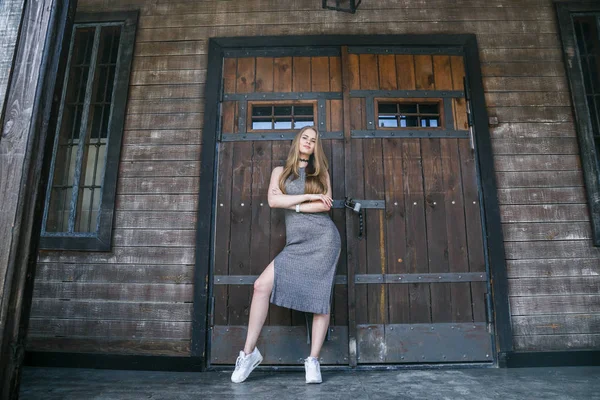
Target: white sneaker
[(313, 370), (245, 364)]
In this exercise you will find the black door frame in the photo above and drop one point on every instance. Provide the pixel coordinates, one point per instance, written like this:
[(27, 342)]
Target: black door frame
[(500, 311)]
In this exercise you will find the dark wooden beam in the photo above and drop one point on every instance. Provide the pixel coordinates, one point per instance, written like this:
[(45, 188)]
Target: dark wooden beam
[(11, 12), (24, 160)]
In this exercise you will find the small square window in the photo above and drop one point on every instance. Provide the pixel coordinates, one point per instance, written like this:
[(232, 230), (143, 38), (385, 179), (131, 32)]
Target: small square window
[(281, 116), (408, 114)]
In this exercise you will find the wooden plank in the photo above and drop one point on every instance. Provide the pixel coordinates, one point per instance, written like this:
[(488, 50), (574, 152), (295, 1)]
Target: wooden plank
[(301, 81), (387, 72), (164, 121), (553, 267), (544, 213), (405, 72), (137, 153), (154, 237), (564, 195), (145, 49), (110, 310), (155, 219), (168, 168), (558, 249), (165, 106), (110, 328), (424, 72), (557, 342), (535, 146), (525, 84), (542, 179), (416, 243), (532, 114), (540, 162), (513, 99), (319, 74), (335, 75), (124, 255), (264, 74), (137, 347), (475, 244), (556, 324), (163, 292), (396, 237), (539, 68), (442, 73), (532, 130), (537, 305), (522, 232), (572, 286), (162, 202), (172, 91), (167, 63), (437, 239), (155, 185), (320, 17), (180, 77), (456, 234), (11, 12), (520, 55), (282, 74), (162, 137), (106, 273)]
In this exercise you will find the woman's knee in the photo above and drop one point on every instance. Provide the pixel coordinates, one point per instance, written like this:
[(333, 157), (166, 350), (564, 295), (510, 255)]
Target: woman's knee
[(262, 287)]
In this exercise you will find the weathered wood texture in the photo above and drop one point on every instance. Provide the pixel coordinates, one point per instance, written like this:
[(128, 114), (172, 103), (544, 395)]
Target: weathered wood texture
[(541, 190), (11, 12)]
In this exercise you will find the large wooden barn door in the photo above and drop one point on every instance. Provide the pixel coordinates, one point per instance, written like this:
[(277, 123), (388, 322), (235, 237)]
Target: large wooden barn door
[(261, 93), (419, 272), (411, 285)]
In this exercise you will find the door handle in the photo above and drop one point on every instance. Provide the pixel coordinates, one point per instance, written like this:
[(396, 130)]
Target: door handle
[(356, 207)]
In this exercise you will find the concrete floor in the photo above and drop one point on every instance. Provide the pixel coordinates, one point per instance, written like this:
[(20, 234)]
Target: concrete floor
[(565, 383)]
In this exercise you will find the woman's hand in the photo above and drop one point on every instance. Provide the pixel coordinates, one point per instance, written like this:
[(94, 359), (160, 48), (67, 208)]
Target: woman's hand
[(327, 200)]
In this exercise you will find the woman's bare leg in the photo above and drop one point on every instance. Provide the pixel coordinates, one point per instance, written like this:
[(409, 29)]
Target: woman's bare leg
[(319, 330), (259, 306)]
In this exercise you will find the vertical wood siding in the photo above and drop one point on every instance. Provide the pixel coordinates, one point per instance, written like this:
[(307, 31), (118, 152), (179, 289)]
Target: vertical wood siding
[(136, 298)]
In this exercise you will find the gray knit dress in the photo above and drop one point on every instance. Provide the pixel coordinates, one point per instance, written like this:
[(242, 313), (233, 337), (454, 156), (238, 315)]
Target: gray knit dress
[(305, 268)]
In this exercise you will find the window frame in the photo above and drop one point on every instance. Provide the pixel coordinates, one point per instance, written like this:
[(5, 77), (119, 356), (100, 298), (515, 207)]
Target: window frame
[(101, 239), (282, 103), (411, 100), (590, 159)]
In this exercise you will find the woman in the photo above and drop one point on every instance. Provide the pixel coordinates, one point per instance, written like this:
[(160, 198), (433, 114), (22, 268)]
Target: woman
[(301, 276)]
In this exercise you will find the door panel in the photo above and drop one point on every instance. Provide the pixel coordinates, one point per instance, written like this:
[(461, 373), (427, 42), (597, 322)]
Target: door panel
[(248, 233)]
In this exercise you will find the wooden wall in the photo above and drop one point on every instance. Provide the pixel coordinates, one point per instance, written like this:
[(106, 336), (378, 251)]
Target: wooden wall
[(10, 22), (136, 299)]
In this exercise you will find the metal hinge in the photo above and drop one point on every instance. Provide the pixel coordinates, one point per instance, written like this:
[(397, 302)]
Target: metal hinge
[(469, 113), (489, 316), (211, 314)]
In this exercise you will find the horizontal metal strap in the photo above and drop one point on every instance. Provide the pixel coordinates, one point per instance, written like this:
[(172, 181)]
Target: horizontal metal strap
[(421, 278), (363, 203), (249, 279), (409, 133), (283, 96), (453, 277), (283, 51), (408, 93), (245, 137), (404, 50)]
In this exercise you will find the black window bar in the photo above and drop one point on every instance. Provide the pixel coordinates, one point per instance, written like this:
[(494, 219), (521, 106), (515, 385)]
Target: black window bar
[(349, 6)]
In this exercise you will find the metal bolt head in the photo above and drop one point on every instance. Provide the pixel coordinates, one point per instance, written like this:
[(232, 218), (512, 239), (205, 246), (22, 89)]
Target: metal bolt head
[(221, 204), (415, 203), (242, 204)]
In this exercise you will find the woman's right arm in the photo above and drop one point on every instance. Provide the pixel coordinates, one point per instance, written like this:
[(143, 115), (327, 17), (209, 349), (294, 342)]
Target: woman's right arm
[(279, 200)]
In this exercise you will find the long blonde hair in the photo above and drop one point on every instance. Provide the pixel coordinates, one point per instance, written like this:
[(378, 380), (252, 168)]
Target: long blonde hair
[(316, 170)]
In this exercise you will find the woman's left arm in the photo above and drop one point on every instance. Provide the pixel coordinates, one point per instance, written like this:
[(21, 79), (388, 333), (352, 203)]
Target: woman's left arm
[(316, 206)]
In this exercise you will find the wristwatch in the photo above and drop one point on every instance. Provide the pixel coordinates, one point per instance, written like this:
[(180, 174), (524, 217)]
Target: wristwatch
[(297, 208)]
